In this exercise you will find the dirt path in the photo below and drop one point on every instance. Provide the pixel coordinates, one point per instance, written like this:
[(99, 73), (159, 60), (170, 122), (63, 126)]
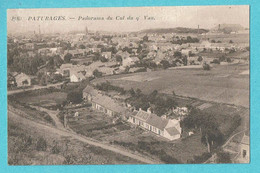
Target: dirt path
[(53, 114), (61, 132), (35, 87)]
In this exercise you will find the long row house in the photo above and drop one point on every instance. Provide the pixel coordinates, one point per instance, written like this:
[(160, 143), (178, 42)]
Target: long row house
[(161, 126)]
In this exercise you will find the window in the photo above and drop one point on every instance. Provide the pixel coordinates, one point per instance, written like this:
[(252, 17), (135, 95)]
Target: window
[(151, 128), (244, 153), (159, 132), (133, 120)]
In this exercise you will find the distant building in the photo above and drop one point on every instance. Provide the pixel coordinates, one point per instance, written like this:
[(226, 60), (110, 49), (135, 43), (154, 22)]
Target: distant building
[(22, 80), (76, 53), (129, 61), (245, 149), (77, 77), (166, 128)]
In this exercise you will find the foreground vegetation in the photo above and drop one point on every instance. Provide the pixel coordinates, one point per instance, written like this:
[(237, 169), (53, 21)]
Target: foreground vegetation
[(28, 145)]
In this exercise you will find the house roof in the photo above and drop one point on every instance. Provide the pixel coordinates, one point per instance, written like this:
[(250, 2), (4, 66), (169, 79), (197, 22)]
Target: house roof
[(22, 76), (108, 103), (141, 115), (172, 131), (151, 119), (91, 90), (156, 121), (78, 75)]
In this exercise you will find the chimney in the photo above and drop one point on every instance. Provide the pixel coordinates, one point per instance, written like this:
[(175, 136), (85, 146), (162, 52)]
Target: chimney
[(149, 110), (140, 109)]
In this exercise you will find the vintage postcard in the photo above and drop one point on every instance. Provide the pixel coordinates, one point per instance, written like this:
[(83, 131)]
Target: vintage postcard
[(128, 85)]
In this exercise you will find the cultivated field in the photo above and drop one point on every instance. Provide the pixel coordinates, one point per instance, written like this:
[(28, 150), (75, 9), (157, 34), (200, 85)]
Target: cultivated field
[(223, 83), (101, 127)]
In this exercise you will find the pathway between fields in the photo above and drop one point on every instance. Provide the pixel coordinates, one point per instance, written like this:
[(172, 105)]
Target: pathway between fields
[(35, 87), (61, 132), (53, 114)]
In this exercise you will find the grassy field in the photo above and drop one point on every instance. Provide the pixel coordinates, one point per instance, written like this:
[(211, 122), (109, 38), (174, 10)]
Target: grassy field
[(223, 83), (45, 100), (28, 145), (101, 127)]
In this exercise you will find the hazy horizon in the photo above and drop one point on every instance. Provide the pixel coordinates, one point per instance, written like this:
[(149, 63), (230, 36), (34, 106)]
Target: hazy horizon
[(206, 17)]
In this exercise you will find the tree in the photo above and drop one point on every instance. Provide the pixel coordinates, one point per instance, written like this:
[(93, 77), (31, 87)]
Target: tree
[(138, 92), (75, 96), (216, 61), (185, 60), (82, 46), (200, 58), (132, 92), (43, 80), (222, 58), (231, 41), (211, 135), (57, 77), (97, 73), (206, 66), (103, 59), (145, 38), (165, 64), (229, 59), (177, 54), (119, 58), (67, 58)]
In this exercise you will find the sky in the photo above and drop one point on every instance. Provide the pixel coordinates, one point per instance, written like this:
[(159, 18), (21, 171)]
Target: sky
[(159, 17)]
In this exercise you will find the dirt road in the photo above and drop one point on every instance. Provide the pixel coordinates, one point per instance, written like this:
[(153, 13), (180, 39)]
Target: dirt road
[(49, 129), (35, 87), (53, 114)]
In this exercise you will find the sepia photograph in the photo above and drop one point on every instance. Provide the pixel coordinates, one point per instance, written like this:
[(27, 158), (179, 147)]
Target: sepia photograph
[(128, 85)]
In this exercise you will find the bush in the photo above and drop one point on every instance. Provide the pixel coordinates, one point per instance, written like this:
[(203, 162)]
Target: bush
[(41, 144), (75, 97), (97, 73), (202, 158), (55, 149), (216, 61), (223, 157), (229, 60), (70, 160), (206, 67), (168, 159)]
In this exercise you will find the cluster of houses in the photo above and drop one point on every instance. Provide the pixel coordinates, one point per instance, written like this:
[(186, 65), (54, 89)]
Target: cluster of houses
[(120, 52), (161, 126)]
